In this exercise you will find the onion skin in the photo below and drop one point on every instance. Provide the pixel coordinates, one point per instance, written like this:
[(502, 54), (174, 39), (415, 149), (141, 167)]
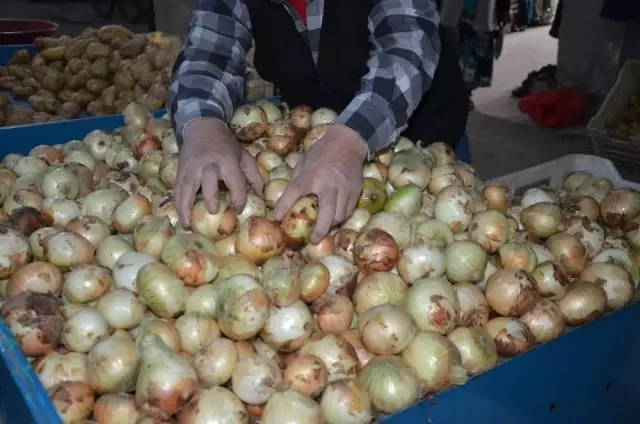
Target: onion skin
[(376, 327), (375, 251), (260, 239), (26, 219), (510, 335), (333, 313), (393, 373), (117, 408), (15, 251), (214, 227), (73, 400), (477, 348), (338, 355), (474, 309), (551, 280), (40, 277), (298, 222), (511, 292), (569, 251), (545, 321), (615, 280), (584, 302), (307, 374), (346, 402), (314, 281)]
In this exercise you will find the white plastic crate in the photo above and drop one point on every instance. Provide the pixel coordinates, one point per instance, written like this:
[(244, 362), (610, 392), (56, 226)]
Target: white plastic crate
[(605, 142), (552, 173)]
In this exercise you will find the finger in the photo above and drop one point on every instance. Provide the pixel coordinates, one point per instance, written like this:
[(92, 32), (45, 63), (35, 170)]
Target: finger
[(297, 169), (236, 183), (210, 192), (326, 212), (341, 209), (252, 174), (187, 188), (351, 205), (292, 193)]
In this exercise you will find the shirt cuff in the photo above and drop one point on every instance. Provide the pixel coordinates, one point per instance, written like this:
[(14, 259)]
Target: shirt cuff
[(195, 109), (368, 119)]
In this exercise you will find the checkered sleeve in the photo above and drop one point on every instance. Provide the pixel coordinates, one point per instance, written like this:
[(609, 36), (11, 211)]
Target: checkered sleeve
[(404, 55), (208, 76)]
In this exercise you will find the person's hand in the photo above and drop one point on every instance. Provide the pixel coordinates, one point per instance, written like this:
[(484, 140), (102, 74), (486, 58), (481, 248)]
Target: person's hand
[(210, 153), (332, 171)]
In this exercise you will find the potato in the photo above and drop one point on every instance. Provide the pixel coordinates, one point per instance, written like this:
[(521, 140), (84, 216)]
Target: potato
[(83, 97), (51, 106), (125, 64), (97, 85), (90, 33), (77, 49), (139, 93), (37, 62), (141, 66), (19, 119), (114, 61), (54, 53), (21, 57), (36, 103), (156, 97), (120, 105), (3, 71), (109, 32), (97, 50), (54, 81), (40, 117), (47, 42), (109, 96), (31, 82), (22, 92), (118, 42), (124, 80), (65, 40), (8, 82), (58, 65), (146, 81), (76, 65), (40, 73), (65, 96), (97, 108), (100, 68), (162, 60), (4, 101), (127, 96), (70, 110), (19, 71), (46, 94), (133, 48)]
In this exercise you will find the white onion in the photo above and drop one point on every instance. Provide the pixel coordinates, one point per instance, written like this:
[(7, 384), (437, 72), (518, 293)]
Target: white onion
[(287, 328), (510, 335), (342, 274), (196, 332), (390, 384), (537, 195), (568, 249), (379, 288), (615, 280), (215, 363), (511, 292), (83, 330), (595, 187), (121, 308), (291, 407), (453, 206), (619, 207), (59, 212), (357, 220), (432, 231), (242, 307), (421, 261), (476, 347), (443, 176), (583, 302), (112, 364), (111, 249), (60, 181), (590, 233), (338, 355), (466, 261), (545, 321), (255, 378), (203, 300), (87, 283), (490, 229), (55, 368), (386, 329), (550, 279), (125, 271), (542, 253), (518, 255), (410, 167), (345, 402), (542, 219), (474, 309), (161, 290), (433, 304)]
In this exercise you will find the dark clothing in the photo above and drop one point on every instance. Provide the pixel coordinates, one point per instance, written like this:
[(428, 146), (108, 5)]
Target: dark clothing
[(621, 10), (283, 57), (476, 56)]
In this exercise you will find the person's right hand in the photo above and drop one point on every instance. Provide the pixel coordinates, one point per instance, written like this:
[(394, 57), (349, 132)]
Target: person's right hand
[(210, 153)]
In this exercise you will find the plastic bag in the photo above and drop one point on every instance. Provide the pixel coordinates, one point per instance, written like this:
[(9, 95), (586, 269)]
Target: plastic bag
[(557, 108)]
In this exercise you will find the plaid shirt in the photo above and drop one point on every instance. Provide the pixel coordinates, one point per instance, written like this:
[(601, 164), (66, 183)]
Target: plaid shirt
[(405, 47)]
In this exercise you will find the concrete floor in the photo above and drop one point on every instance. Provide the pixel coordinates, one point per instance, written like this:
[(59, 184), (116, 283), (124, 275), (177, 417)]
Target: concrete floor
[(502, 139)]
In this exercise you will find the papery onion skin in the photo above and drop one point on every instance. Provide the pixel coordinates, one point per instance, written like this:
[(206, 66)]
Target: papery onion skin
[(215, 363), (242, 307), (377, 289), (386, 329), (542, 219), (192, 257), (333, 313), (298, 222), (260, 239), (167, 300), (375, 250), (551, 279), (490, 229), (338, 355), (213, 226), (346, 402), (545, 321), (433, 304), (474, 309), (117, 408), (477, 348), (15, 251), (620, 207), (568, 249), (113, 363), (213, 405), (510, 335), (518, 255), (590, 233), (255, 378), (287, 328), (354, 339), (466, 261), (615, 280), (390, 384), (40, 277), (73, 400), (583, 302), (314, 281), (297, 409), (511, 292), (497, 197), (307, 374), (421, 260), (453, 206)]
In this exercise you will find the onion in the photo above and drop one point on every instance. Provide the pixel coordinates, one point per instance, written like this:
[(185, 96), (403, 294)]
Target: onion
[(453, 206), (573, 180), (490, 229), (297, 408), (166, 381), (590, 233), (226, 246), (375, 250), (39, 277), (35, 320), (66, 250), (443, 176), (260, 239), (213, 405), (35, 241), (511, 292), (293, 159), (254, 207), (306, 374), (337, 354), (345, 402), (192, 257), (234, 265), (213, 226), (390, 384), (342, 274), (545, 321), (73, 401), (121, 308), (615, 280), (149, 165), (271, 110), (27, 166), (435, 361), (21, 198), (550, 279), (510, 335), (269, 160), (98, 142), (378, 289), (166, 207), (203, 300), (55, 368), (595, 187), (582, 206), (151, 234), (345, 240), (161, 290), (568, 249), (542, 219), (421, 261), (164, 329), (49, 154), (333, 312), (90, 227), (386, 329), (314, 280), (542, 253), (10, 160), (242, 307), (116, 408), (322, 116), (126, 269), (59, 212), (111, 249), (354, 340), (583, 302), (373, 196), (136, 115), (477, 349), (26, 219), (102, 203), (215, 363), (298, 222), (406, 200), (537, 195), (410, 167), (83, 330), (287, 328), (619, 207), (433, 304), (395, 224), (130, 212), (433, 232), (196, 332), (113, 363), (518, 255), (60, 181), (273, 191), (301, 118), (474, 309), (376, 170), (465, 261), (358, 220), (248, 122), (255, 378)]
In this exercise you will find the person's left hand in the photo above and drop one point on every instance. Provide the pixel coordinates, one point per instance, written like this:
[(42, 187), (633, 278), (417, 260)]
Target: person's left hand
[(332, 171)]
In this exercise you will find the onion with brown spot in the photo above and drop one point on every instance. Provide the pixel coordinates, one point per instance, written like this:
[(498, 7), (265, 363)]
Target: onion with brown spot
[(433, 304), (39, 277), (337, 354), (73, 400), (568, 249), (615, 280), (151, 234), (26, 219), (551, 280), (333, 313), (260, 239), (545, 321), (116, 408), (248, 122), (298, 222), (307, 374), (375, 250), (386, 329), (346, 402), (192, 257), (213, 226), (511, 292), (474, 309), (66, 250), (510, 335)]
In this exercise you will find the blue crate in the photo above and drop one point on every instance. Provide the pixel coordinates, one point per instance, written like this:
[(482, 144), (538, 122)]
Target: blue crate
[(7, 52)]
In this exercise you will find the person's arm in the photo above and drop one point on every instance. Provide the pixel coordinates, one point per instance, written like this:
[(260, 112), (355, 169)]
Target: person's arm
[(208, 77), (405, 51)]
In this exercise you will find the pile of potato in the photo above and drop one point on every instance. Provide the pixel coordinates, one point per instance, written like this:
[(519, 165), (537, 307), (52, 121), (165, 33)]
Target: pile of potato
[(102, 71)]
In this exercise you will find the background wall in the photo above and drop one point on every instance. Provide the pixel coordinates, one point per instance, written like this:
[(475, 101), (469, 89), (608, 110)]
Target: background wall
[(174, 16)]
